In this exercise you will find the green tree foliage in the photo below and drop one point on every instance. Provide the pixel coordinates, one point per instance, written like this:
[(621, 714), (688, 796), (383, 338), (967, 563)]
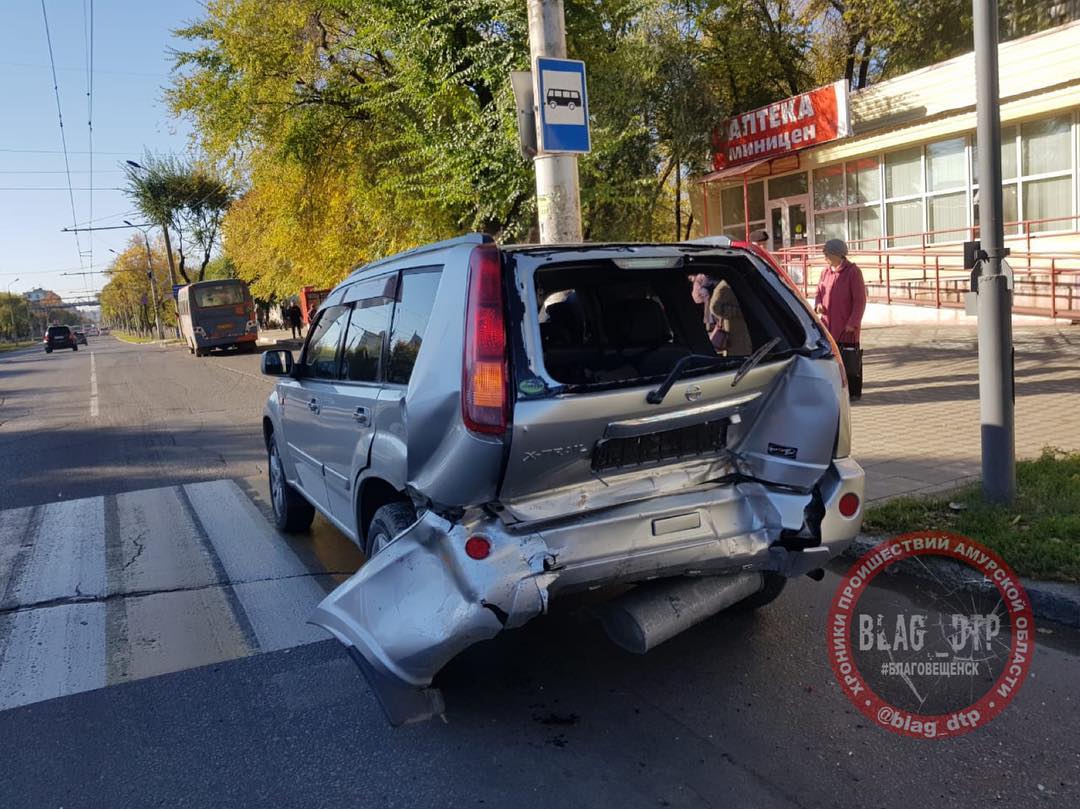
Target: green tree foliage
[(356, 128), (865, 41), (183, 197), (15, 319), (128, 286)]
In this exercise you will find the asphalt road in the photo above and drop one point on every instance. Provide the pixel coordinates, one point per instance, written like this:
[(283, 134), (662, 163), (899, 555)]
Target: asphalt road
[(742, 710)]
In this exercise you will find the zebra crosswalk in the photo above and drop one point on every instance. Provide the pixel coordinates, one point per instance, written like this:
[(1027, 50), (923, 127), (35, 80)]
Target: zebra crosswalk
[(102, 590)]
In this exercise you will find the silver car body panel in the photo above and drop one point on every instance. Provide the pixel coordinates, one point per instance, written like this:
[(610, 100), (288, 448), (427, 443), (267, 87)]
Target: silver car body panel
[(556, 523), (404, 634)]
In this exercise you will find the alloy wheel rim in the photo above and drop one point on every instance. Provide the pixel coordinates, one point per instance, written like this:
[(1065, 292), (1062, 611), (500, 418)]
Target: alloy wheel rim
[(276, 490)]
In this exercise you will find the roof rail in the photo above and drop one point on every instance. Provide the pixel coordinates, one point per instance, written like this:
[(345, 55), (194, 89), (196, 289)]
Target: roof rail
[(468, 238), (710, 241)]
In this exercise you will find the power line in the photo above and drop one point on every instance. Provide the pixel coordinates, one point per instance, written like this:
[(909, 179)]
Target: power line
[(59, 171), (56, 151), (60, 117), (58, 188), (88, 33)]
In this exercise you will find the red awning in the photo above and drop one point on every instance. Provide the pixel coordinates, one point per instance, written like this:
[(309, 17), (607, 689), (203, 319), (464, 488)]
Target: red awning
[(737, 171)]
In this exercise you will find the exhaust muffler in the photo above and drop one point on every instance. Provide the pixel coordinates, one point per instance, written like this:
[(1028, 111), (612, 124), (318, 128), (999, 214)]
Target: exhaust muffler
[(654, 612)]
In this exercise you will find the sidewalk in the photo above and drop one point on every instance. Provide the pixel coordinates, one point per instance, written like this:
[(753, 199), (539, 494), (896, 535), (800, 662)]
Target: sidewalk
[(917, 426), (279, 338)]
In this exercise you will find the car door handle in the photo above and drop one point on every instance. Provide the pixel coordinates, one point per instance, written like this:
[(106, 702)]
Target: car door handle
[(313, 405), (360, 415)]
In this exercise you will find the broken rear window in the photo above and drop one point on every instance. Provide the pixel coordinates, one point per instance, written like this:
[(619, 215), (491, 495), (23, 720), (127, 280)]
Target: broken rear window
[(601, 324)]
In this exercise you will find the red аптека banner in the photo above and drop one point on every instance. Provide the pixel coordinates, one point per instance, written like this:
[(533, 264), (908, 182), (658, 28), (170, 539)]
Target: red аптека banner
[(799, 122)]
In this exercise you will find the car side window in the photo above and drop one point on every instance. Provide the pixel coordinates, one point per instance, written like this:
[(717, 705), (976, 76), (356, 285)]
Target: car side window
[(416, 297), (320, 358), (365, 339)]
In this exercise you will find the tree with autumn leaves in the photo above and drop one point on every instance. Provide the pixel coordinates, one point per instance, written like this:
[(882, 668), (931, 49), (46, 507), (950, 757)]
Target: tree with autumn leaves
[(356, 128)]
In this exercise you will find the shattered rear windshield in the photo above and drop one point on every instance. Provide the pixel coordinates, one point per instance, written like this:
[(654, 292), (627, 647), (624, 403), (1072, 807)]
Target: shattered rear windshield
[(601, 324)]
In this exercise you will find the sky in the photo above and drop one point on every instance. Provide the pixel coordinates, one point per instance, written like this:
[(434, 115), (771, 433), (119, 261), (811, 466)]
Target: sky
[(131, 65)]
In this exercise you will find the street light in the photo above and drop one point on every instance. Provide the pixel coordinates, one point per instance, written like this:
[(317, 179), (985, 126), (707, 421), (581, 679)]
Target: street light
[(11, 307), (153, 280)]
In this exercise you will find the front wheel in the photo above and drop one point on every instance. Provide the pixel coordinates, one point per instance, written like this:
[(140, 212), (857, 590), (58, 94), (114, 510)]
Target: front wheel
[(48, 351), (292, 513), (74, 348)]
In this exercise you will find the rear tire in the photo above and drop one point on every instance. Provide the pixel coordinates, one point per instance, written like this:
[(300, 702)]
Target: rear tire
[(74, 348), (48, 351), (388, 522), (292, 513), (774, 586)]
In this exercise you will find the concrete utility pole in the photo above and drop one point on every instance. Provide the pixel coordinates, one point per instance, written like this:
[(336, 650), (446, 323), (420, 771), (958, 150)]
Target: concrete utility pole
[(558, 201), (11, 305), (153, 286), (994, 296)]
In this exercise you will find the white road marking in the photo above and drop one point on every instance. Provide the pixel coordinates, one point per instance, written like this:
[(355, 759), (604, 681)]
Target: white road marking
[(93, 388), (97, 591)]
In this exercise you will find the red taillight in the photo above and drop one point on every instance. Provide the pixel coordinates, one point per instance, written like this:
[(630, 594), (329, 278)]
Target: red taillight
[(849, 504), (477, 547), (485, 401)]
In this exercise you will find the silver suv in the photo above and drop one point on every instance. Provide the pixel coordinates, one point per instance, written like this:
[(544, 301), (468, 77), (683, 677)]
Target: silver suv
[(497, 426)]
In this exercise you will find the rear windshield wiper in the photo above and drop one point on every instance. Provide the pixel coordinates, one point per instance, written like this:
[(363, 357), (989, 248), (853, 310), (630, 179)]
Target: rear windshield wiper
[(752, 361), (657, 395)]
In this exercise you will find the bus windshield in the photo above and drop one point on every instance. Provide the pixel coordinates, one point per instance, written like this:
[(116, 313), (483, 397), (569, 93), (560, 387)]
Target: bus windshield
[(218, 295)]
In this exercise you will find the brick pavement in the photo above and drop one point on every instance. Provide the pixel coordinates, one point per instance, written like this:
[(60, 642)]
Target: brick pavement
[(917, 426)]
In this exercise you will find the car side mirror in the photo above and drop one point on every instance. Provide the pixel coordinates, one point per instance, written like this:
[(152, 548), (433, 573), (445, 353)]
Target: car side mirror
[(277, 362)]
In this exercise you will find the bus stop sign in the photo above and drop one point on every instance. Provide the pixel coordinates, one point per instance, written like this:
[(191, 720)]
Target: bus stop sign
[(562, 106)]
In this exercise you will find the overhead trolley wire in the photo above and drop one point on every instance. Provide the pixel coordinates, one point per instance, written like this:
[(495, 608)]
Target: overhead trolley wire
[(60, 117)]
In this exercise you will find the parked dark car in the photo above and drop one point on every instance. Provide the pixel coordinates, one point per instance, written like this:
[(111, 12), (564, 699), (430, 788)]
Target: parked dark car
[(59, 337)]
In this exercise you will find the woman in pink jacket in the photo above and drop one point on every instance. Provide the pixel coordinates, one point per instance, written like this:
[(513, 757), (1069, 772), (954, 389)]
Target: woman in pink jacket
[(841, 301)]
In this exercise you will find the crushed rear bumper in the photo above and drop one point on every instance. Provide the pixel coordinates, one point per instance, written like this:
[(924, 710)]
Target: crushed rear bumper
[(422, 600)]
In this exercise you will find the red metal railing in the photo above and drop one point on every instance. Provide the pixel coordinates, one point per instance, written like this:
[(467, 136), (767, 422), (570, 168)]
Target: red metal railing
[(931, 273)]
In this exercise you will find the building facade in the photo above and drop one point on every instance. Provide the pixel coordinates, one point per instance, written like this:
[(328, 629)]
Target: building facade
[(906, 176)]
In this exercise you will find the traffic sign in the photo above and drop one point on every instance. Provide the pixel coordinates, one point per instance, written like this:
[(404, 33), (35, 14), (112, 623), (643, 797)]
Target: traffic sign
[(563, 106)]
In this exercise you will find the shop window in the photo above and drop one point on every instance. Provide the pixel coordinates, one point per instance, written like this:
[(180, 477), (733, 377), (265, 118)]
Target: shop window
[(829, 187), (903, 173), (793, 185), (830, 225), (1046, 199), (948, 217), (864, 225), (730, 206), (945, 165), (905, 219), (863, 181), (1045, 147), (731, 202)]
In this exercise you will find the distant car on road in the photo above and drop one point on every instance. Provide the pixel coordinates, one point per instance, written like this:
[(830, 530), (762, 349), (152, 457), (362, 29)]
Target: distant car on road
[(495, 427), (92, 331), (104, 330), (80, 337), (217, 314), (59, 337)]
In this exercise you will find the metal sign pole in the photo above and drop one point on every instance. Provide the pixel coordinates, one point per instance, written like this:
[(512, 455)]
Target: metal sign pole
[(994, 296), (558, 201)]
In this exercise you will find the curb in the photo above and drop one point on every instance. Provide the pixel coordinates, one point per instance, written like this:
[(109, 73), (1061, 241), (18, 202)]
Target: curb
[(1050, 600)]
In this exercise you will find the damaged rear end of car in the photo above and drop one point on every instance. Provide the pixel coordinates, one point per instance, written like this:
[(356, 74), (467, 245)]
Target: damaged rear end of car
[(671, 418)]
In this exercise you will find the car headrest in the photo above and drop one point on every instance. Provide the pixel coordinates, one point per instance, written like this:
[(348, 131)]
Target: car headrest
[(639, 323), (565, 325)]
